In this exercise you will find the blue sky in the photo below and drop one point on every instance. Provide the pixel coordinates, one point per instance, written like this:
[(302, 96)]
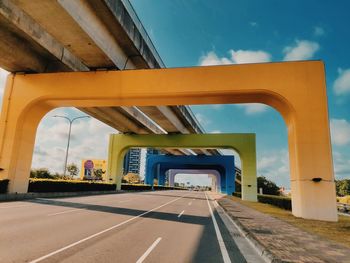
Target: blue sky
[(205, 32), (193, 32)]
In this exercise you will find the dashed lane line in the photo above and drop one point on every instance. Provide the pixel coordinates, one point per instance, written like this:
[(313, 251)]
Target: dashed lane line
[(102, 232), (181, 214), (64, 212), (149, 250)]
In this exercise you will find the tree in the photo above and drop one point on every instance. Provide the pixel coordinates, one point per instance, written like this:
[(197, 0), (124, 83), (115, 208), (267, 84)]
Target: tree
[(132, 178), (269, 187), (41, 173), (99, 174), (73, 169), (343, 187)]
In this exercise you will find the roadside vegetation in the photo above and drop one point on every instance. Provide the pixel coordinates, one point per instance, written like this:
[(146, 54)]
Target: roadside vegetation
[(59, 185), (3, 185), (342, 187), (335, 231), (44, 173)]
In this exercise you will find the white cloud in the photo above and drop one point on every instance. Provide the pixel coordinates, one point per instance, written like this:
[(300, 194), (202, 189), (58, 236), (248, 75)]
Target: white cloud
[(236, 57), (203, 120), (340, 131), (249, 56), (216, 106), (275, 166), (266, 162), (89, 140), (341, 165), (212, 59), (301, 50), (253, 108), (216, 131), (342, 83), (319, 31)]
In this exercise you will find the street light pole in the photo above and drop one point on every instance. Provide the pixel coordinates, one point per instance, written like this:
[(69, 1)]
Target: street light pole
[(69, 133)]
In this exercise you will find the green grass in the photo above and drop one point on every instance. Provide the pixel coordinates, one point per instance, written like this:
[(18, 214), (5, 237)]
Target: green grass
[(335, 231)]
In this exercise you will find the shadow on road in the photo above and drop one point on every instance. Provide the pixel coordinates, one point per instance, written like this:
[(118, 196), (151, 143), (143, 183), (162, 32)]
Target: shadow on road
[(188, 219)]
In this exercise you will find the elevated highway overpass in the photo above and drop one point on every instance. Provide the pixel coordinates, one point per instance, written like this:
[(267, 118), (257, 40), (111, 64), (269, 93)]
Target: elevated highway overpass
[(90, 35)]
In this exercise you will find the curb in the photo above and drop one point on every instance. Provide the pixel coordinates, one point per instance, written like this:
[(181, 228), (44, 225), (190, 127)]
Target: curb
[(267, 255), (26, 196)]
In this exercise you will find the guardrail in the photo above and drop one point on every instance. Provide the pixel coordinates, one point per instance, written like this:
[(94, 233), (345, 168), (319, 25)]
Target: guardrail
[(142, 31), (188, 114)]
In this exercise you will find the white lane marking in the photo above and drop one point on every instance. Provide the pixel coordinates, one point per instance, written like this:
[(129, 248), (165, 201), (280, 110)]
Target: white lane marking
[(223, 249), (181, 213), (102, 232), (149, 250), (190, 203), (14, 206), (64, 212), (123, 201)]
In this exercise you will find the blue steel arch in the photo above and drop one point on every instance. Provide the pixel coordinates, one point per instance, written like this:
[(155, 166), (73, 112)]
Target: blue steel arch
[(167, 162)]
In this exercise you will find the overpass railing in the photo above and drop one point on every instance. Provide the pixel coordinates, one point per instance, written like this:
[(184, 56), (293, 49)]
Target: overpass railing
[(142, 31), (189, 116)]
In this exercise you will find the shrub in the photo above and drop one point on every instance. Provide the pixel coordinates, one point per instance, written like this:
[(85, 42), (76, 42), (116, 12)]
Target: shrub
[(136, 187), (279, 201), (43, 173), (3, 185), (145, 187), (343, 187), (49, 185), (268, 187), (344, 199)]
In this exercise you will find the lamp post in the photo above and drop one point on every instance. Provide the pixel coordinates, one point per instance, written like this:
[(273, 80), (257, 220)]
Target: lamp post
[(70, 129)]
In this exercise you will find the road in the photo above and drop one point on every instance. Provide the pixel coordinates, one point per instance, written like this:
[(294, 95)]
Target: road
[(163, 226)]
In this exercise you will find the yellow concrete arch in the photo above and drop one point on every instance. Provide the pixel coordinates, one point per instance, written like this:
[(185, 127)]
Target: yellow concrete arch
[(296, 89)]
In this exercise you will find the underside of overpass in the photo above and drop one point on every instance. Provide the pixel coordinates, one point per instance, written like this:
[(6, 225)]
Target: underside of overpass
[(90, 35)]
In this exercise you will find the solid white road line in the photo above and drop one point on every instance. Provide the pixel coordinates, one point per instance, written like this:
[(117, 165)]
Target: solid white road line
[(247, 254), (102, 232), (149, 250), (181, 213), (64, 212), (222, 246), (123, 201), (13, 206)]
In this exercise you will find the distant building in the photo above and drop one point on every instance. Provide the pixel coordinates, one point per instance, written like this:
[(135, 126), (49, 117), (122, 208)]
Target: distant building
[(132, 161), (152, 151)]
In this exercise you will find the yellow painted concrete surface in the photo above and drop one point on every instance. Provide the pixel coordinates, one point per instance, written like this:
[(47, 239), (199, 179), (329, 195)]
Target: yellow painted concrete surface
[(242, 143), (296, 89)]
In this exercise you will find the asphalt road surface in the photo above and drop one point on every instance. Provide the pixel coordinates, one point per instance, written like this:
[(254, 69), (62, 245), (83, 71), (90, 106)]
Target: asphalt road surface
[(163, 226)]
